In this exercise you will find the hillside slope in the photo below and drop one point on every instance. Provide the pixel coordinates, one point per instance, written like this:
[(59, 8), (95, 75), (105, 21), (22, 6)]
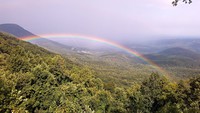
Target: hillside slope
[(16, 30), (180, 52), (33, 79), (176, 57), (191, 43)]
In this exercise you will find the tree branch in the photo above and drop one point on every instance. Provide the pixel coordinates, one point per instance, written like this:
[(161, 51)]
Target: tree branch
[(175, 2)]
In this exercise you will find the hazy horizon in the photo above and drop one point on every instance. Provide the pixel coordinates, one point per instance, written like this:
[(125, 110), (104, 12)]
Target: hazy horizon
[(126, 21)]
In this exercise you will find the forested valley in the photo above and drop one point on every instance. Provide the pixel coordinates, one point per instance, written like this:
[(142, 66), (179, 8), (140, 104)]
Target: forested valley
[(35, 80)]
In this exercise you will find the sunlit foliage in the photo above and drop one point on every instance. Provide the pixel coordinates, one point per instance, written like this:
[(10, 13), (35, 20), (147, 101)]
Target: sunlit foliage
[(35, 80)]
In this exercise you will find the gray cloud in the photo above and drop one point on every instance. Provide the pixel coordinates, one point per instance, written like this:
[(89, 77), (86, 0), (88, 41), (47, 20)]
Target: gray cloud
[(114, 19)]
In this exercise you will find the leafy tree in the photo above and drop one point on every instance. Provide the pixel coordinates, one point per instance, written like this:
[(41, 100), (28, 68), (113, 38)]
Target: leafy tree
[(80, 74), (101, 102), (120, 102), (5, 94), (194, 95), (19, 60)]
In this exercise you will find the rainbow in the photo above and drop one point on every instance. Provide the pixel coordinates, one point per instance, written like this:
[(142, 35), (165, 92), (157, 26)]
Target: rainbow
[(101, 40)]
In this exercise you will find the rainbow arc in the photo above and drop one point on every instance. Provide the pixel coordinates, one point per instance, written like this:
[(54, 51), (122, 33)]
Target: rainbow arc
[(100, 40)]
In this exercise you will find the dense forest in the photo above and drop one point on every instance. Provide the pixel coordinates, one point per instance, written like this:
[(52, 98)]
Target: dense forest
[(33, 79)]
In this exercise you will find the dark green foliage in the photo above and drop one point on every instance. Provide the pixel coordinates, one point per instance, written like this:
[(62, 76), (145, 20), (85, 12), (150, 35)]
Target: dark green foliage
[(175, 2), (5, 96), (35, 80)]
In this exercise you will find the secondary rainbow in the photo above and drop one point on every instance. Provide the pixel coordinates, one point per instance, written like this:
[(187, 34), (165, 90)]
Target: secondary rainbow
[(101, 40)]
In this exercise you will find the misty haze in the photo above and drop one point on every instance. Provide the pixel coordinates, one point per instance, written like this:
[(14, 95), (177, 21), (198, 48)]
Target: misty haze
[(102, 56)]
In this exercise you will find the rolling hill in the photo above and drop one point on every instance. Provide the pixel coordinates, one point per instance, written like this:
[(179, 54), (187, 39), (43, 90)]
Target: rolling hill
[(15, 30), (34, 80), (120, 67), (191, 43), (180, 52), (107, 64), (176, 57)]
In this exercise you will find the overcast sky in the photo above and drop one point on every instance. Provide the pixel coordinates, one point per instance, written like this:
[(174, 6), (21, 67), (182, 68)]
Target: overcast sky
[(113, 19)]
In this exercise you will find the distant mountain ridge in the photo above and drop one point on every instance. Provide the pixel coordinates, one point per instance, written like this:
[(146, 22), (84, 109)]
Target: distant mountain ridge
[(188, 43), (181, 52), (15, 30), (175, 57), (19, 32)]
